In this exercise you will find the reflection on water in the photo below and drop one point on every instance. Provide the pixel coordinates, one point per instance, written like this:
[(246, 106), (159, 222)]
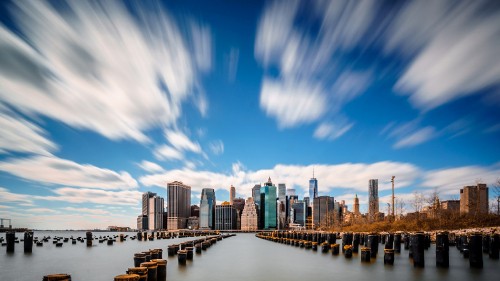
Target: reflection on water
[(241, 258)]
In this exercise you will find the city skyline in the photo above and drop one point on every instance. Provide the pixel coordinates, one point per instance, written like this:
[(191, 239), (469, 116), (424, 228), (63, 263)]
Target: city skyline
[(102, 103)]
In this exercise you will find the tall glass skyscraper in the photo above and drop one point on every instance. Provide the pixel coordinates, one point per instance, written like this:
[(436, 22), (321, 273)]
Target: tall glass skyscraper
[(313, 189), (207, 208), (268, 206), (179, 205), (256, 194)]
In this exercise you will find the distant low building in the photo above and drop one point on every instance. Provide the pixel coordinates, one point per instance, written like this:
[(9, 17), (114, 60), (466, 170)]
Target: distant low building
[(193, 223), (225, 217), (451, 206), (474, 199), (118, 228)]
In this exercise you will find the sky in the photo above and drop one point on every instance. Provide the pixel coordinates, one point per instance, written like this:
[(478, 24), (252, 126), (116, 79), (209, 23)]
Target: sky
[(102, 101)]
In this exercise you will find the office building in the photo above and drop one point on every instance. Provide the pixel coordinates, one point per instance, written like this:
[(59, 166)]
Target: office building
[(474, 199), (225, 217), (249, 217), (268, 205), (256, 194), (299, 208), (207, 208), (313, 189), (239, 205), (156, 205), (142, 222), (373, 199), (356, 205), (323, 212), (232, 194), (179, 205)]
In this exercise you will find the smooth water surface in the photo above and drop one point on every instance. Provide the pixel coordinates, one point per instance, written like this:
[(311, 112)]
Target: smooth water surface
[(243, 257)]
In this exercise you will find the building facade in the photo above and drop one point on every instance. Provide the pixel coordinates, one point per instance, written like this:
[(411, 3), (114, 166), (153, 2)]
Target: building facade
[(313, 189), (225, 217), (142, 222), (474, 199), (323, 213), (249, 217), (156, 205), (207, 208), (451, 206), (179, 205), (299, 208), (268, 205), (256, 194), (356, 205), (373, 204)]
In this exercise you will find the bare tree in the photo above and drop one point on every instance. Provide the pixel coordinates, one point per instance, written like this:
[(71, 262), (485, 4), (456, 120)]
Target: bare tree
[(432, 201), (400, 206), (417, 202)]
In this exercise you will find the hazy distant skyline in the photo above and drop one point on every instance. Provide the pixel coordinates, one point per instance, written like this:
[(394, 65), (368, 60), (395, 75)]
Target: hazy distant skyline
[(102, 102)]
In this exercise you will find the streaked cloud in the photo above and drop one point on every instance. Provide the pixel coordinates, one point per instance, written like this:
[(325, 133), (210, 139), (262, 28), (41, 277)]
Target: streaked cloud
[(20, 135), (217, 147), (8, 197), (96, 196), (416, 138), (181, 142), (53, 170), (85, 66), (86, 211), (409, 134), (232, 64), (331, 131), (150, 166)]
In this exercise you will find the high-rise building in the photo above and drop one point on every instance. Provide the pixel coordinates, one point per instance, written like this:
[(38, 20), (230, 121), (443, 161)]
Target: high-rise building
[(179, 205), (268, 206), (142, 222), (373, 199), (249, 217), (225, 217), (156, 205), (281, 191), (313, 189), (232, 194), (207, 208), (356, 205), (239, 205), (282, 206), (195, 211), (323, 212), (474, 199), (145, 202), (290, 191), (299, 212), (256, 194)]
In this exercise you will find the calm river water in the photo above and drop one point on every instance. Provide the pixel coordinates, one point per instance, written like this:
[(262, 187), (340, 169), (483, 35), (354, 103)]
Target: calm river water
[(241, 258)]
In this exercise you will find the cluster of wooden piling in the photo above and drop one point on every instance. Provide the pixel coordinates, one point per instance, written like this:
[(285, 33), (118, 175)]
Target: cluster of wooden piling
[(149, 265), (472, 246)]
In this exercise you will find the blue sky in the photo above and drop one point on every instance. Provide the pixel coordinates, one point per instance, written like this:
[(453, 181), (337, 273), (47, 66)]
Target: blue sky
[(100, 102)]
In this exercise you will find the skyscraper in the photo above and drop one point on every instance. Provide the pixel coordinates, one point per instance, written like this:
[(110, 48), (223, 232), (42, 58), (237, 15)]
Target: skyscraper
[(313, 189), (268, 206), (179, 205), (207, 208), (232, 194), (145, 202), (282, 206), (249, 217), (156, 205), (323, 212), (373, 199), (256, 194), (299, 212), (225, 217)]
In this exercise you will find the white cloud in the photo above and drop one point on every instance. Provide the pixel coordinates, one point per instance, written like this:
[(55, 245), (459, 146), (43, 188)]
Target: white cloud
[(42, 210), (165, 152), (331, 131), (86, 211), (292, 103), (8, 197), (416, 138), (53, 170), (344, 176), (449, 180), (232, 64), (86, 67), (217, 147), (19, 135), (180, 141), (457, 44), (311, 82), (96, 196), (150, 166)]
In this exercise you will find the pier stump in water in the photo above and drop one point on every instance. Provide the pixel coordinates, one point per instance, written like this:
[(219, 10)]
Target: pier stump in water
[(365, 254), (141, 271), (57, 277), (335, 249), (190, 251), (494, 246), (161, 272), (182, 257), (442, 250), (10, 238), (127, 277), (28, 242), (418, 245), (397, 243), (152, 268), (139, 258), (389, 256), (373, 245), (355, 243), (476, 251), (89, 238)]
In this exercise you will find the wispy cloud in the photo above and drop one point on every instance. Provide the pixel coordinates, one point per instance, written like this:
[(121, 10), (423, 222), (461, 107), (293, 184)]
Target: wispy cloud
[(455, 44), (86, 211), (19, 135), (416, 138), (85, 66), (217, 147), (409, 134), (150, 167), (331, 131), (232, 64), (96, 196), (179, 144), (8, 197), (53, 170)]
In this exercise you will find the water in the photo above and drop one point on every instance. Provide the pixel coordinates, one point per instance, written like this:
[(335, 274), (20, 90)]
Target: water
[(241, 258)]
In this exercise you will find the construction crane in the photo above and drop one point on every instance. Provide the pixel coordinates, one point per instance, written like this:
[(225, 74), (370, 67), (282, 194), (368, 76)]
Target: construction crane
[(392, 180)]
